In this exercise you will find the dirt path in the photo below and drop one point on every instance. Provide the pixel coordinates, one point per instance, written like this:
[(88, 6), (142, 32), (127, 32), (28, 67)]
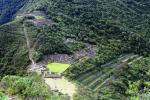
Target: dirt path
[(28, 44), (62, 85)]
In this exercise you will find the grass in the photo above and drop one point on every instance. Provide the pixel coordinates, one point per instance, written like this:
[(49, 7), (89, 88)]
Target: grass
[(39, 17), (57, 67), (62, 85)]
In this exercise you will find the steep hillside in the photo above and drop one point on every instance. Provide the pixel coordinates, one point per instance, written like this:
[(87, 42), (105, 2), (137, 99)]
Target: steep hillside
[(16, 41), (99, 18), (118, 80), (127, 13), (110, 25), (13, 53), (117, 29), (8, 8), (27, 88)]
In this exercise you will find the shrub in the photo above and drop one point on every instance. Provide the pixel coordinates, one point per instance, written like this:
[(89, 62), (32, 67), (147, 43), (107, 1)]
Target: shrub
[(27, 87), (3, 97)]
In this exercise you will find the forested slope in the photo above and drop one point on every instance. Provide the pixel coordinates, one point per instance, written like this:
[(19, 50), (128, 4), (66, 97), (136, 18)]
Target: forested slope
[(13, 53), (97, 19), (114, 27), (8, 8)]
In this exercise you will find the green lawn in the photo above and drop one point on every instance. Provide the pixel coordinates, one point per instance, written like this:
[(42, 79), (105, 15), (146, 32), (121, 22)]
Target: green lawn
[(57, 67), (39, 17)]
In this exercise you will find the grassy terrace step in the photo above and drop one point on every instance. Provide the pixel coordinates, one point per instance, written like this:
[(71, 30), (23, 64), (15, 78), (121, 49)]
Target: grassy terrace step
[(101, 79), (88, 76), (125, 6), (138, 58), (122, 57), (98, 80), (104, 82), (125, 56), (108, 76), (115, 61), (86, 79), (94, 76), (89, 80), (82, 77)]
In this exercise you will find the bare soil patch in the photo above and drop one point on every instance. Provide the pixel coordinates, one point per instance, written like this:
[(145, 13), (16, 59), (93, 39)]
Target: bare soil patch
[(62, 85)]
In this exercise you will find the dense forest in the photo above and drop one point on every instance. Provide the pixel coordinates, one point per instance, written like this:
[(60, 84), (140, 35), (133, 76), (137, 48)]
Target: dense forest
[(119, 29)]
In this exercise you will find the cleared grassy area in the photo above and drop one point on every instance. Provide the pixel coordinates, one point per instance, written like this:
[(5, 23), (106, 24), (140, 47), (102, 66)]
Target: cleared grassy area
[(57, 67), (39, 17), (62, 85)]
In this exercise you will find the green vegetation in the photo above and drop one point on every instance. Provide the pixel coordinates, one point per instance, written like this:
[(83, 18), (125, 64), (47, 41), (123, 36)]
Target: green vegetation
[(112, 32), (13, 53), (57, 67), (29, 87), (128, 82), (3, 96), (115, 27), (96, 75), (39, 17), (9, 9)]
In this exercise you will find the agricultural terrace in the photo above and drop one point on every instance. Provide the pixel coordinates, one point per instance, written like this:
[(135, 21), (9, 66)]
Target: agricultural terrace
[(95, 79), (57, 67)]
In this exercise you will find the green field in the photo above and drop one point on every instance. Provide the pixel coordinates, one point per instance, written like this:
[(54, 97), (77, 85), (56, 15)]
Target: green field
[(39, 17), (57, 67)]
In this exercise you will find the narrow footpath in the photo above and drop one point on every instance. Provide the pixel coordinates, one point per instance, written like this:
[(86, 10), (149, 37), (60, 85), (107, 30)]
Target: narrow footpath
[(28, 44)]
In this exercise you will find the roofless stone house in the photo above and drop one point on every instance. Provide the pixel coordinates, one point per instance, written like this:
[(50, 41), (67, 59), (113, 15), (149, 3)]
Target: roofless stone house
[(47, 74), (37, 18)]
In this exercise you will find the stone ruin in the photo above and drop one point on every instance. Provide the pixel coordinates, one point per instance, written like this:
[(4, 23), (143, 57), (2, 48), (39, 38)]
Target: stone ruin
[(42, 70), (31, 18)]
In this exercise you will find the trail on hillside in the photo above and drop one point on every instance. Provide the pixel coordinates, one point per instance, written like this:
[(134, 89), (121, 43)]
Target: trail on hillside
[(28, 44)]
